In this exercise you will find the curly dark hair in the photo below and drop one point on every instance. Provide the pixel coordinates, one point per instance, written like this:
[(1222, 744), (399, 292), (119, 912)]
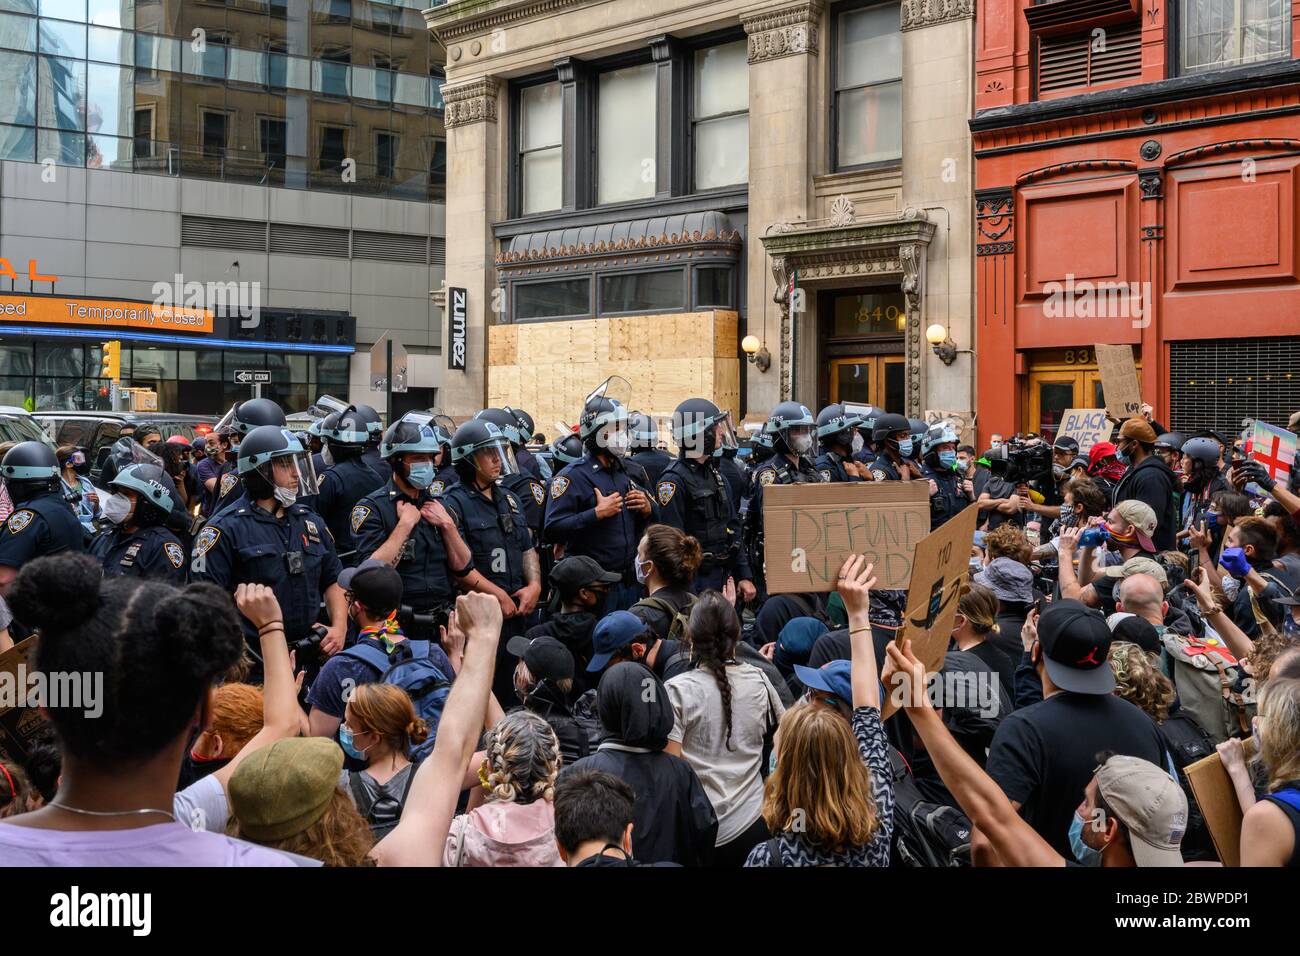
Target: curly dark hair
[(712, 631)]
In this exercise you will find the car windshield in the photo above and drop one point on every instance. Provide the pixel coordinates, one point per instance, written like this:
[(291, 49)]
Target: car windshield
[(19, 428)]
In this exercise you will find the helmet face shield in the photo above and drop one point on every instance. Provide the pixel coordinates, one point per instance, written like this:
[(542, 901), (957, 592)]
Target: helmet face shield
[(495, 459), (327, 405), (292, 471), (801, 439)]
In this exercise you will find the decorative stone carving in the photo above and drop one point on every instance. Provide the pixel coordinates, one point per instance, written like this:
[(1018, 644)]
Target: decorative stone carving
[(842, 211), (912, 258), (1151, 183), (927, 13), (472, 102), (785, 32)]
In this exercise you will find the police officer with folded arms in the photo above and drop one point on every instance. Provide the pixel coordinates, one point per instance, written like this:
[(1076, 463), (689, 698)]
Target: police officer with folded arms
[(41, 522), (405, 525), (267, 537), (348, 476), (138, 542), (601, 505), (693, 496), (490, 517)]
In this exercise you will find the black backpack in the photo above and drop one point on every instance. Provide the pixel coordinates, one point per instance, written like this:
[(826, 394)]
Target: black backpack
[(925, 834), (1187, 743), (382, 814)]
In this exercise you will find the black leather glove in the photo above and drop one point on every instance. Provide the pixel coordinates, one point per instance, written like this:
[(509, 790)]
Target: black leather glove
[(1256, 472)]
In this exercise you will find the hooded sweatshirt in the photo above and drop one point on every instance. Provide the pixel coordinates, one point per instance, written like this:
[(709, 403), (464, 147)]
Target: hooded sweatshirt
[(673, 820)]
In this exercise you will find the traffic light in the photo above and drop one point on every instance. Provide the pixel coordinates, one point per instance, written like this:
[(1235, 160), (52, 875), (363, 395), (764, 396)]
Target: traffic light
[(112, 367)]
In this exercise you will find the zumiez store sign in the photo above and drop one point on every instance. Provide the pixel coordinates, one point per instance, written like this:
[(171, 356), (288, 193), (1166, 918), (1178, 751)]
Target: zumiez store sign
[(103, 312)]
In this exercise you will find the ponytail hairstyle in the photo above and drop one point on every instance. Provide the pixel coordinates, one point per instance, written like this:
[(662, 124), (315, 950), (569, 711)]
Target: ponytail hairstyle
[(147, 652), (712, 631), (523, 759), (676, 555), (979, 605), (386, 710)]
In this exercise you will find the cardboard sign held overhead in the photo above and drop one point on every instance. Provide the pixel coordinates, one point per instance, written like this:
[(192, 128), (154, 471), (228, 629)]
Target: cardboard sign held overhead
[(939, 566), (1217, 798), (18, 722), (1087, 426), (1119, 383), (1272, 447), (809, 530)]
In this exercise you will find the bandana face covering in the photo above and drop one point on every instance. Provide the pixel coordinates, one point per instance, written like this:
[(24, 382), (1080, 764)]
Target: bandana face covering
[(1122, 540)]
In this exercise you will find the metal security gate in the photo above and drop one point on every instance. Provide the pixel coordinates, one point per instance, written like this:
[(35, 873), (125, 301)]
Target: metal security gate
[(1217, 383)]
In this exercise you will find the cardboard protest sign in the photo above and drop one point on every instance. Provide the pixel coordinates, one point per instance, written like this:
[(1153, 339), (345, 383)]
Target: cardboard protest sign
[(810, 529), (1217, 798), (1087, 426), (1272, 447), (18, 722), (1119, 383), (939, 566)]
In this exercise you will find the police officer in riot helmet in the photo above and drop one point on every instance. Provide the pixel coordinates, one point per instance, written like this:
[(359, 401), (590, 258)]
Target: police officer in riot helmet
[(693, 495), (348, 477), (138, 542), (566, 450), (894, 449), (601, 505), (645, 446), (950, 491), (527, 461), (404, 524), (840, 440), (242, 418), (41, 522), (917, 429), (490, 517), (526, 486), (868, 416), (267, 536)]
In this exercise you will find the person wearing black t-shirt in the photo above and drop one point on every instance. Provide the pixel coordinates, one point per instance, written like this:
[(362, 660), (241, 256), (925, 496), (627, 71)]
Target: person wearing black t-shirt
[(581, 586)]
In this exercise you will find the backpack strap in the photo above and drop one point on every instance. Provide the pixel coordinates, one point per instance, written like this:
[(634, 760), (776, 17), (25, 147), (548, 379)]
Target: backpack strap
[(774, 852), (406, 791), (368, 654), (359, 795)]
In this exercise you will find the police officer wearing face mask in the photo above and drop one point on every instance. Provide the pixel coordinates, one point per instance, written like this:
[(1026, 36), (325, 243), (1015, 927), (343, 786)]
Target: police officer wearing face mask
[(41, 523), (403, 524), (242, 418), (523, 484), (840, 440), (694, 497), (139, 544), (445, 476), (348, 477), (528, 463), (950, 491), (490, 517), (894, 450), (267, 537), (601, 505), (645, 446)]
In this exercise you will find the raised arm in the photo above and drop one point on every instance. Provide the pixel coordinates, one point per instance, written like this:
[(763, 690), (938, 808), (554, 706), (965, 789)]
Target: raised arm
[(854, 584)]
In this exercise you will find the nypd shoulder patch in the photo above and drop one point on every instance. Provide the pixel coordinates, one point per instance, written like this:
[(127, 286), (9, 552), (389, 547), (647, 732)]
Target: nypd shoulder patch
[(878, 476), (206, 539), (666, 490), (825, 473), (559, 485), (228, 481), (359, 515), (437, 487), (19, 520), (175, 554), (539, 493), (767, 476)]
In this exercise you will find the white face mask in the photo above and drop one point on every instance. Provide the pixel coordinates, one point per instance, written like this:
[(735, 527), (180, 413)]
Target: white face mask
[(857, 442), (641, 572), (286, 496), (617, 442), (116, 508), (326, 457), (801, 444)]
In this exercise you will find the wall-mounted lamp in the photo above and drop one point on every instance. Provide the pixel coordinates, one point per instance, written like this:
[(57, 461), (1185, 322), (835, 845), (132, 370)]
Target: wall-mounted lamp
[(944, 347), (759, 356)]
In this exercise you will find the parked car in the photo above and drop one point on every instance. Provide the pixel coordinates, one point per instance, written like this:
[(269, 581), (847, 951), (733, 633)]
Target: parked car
[(17, 424), (97, 431)]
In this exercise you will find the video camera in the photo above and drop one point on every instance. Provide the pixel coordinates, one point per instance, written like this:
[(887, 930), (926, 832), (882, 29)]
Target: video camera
[(1020, 461)]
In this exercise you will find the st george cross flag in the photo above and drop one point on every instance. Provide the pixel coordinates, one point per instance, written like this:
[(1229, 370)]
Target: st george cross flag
[(1274, 448)]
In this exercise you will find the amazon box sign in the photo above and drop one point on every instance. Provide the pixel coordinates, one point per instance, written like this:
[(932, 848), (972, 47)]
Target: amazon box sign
[(810, 529)]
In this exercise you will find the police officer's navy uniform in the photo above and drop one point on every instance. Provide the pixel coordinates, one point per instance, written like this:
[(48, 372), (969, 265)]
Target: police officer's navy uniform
[(950, 500), (694, 496), (737, 478), (229, 489), (830, 465), (153, 552), (530, 493), (444, 479), (884, 469), (38, 527), (341, 487), (293, 555), (777, 470), (654, 461), (376, 462), (423, 562)]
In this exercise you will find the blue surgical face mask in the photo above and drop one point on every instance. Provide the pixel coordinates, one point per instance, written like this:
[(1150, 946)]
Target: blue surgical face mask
[(420, 475), (349, 748), (1085, 854), (905, 448), (948, 459)]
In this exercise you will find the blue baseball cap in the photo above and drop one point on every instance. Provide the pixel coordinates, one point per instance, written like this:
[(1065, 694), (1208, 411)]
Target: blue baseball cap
[(834, 677), (615, 632)]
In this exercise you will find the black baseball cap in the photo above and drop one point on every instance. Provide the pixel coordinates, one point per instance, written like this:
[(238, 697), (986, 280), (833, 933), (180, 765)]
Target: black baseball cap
[(1138, 631), (1076, 648), (376, 584), (545, 657), (578, 571), (1066, 443)]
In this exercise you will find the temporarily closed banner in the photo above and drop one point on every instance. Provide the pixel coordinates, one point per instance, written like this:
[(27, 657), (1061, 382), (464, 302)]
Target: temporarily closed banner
[(103, 313), (810, 529)]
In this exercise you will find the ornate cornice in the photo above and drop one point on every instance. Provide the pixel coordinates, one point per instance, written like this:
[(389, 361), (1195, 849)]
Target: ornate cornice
[(664, 243), (456, 21), (785, 32), (927, 13), (471, 102)]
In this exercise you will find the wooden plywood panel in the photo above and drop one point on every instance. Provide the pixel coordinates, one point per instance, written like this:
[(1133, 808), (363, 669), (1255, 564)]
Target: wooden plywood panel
[(726, 384), (503, 385), (503, 345), (725, 326), (582, 341)]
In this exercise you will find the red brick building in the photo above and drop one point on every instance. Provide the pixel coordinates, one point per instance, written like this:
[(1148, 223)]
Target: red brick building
[(1136, 182)]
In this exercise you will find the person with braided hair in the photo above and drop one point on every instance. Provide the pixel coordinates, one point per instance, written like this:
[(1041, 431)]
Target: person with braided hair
[(725, 713), (514, 825)]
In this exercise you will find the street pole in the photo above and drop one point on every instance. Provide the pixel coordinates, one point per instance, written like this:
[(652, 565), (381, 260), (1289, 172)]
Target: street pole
[(257, 389), (388, 383)]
